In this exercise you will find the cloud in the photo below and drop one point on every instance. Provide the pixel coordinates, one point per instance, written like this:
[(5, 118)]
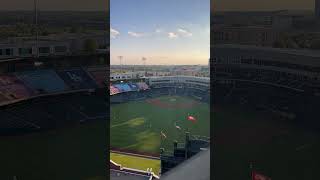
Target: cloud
[(135, 34), (172, 35), (114, 33), (180, 32), (184, 32), (158, 30)]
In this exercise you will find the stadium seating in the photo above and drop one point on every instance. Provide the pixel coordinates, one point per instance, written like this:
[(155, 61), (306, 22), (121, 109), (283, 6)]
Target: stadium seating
[(33, 86), (100, 76), (43, 81), (114, 90), (51, 112), (11, 89), (3, 99), (77, 79), (127, 87), (142, 86), (133, 86), (123, 87)]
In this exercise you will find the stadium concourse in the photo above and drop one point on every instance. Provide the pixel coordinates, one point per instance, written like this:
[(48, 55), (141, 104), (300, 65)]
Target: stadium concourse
[(174, 95), (50, 93)]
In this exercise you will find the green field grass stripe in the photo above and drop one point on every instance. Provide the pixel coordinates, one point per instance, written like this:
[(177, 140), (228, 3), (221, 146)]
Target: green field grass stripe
[(132, 122), (136, 162)]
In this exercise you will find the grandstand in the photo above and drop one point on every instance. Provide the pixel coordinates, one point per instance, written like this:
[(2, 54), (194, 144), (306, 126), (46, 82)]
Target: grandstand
[(266, 103), (197, 87), (12, 88), (42, 81), (77, 79), (99, 74), (50, 93), (274, 79)]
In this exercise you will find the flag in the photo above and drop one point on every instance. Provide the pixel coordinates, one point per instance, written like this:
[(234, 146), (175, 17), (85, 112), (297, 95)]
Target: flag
[(191, 118), (258, 176), (177, 127)]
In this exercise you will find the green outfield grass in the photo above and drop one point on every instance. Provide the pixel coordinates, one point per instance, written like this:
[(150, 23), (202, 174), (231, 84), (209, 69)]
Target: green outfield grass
[(137, 125), (136, 162)]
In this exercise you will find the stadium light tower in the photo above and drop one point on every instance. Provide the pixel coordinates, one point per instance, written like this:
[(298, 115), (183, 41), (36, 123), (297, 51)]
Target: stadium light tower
[(120, 62), (144, 65)]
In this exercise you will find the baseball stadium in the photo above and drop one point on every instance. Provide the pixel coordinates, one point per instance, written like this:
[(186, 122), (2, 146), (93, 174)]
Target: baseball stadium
[(265, 109), (150, 115), (52, 120)]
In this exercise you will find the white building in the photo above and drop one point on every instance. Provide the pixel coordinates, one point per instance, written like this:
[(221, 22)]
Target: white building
[(52, 45), (126, 75), (175, 80)]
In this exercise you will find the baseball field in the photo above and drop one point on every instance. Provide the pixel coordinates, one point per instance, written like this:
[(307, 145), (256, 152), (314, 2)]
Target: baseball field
[(136, 126)]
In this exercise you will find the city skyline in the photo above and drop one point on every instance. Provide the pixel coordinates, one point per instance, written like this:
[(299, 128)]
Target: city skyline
[(164, 32)]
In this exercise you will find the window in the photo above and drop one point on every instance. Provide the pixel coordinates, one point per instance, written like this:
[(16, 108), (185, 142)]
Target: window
[(25, 51), (9, 52), (44, 50), (60, 49)]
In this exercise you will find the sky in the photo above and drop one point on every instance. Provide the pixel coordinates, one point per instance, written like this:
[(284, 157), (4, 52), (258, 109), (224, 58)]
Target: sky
[(165, 32)]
